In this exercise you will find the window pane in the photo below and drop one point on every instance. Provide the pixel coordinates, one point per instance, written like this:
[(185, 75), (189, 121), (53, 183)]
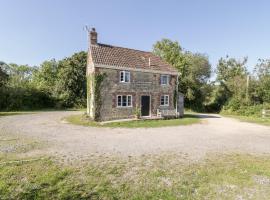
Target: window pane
[(119, 101), (166, 100), (122, 76), (127, 76), (164, 79), (162, 100), (129, 101), (124, 100)]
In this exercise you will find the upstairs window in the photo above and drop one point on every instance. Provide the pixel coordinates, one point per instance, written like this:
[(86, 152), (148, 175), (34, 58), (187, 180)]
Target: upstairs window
[(124, 77), (164, 79), (124, 101), (164, 100)]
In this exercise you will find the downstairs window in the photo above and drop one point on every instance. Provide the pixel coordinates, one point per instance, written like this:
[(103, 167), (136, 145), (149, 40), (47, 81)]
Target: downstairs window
[(124, 101), (164, 100)]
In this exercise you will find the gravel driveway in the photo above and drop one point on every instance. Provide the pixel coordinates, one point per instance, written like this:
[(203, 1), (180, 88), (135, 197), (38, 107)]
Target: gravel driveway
[(215, 134)]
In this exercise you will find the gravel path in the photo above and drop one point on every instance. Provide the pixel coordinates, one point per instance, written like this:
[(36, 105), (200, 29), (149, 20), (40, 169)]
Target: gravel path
[(215, 134)]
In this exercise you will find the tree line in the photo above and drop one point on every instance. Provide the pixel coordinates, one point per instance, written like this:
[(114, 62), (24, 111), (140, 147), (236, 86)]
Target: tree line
[(54, 84), (235, 90), (62, 84)]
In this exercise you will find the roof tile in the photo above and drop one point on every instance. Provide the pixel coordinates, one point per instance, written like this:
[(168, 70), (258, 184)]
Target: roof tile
[(124, 57)]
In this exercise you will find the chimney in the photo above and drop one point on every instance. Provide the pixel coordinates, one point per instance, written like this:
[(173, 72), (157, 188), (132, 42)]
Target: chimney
[(93, 36)]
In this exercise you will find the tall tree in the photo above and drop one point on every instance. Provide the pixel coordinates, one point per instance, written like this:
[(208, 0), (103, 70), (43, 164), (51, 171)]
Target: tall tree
[(3, 74), (20, 75), (229, 68), (194, 71), (232, 82), (169, 51), (45, 78), (71, 80), (197, 72), (262, 75)]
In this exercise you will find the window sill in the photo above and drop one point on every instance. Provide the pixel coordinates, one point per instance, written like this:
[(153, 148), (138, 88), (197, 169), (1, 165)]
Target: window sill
[(124, 106)]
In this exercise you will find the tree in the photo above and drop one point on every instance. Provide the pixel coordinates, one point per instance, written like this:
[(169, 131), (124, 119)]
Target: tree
[(194, 78), (19, 92), (194, 71), (230, 68), (169, 51), (53, 84), (262, 76), (231, 83), (3, 74), (45, 77), (20, 75), (71, 80)]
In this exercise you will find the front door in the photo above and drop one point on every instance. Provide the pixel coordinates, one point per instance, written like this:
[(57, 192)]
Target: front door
[(145, 105)]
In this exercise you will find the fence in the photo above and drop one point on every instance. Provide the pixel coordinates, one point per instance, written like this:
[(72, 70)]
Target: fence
[(265, 113)]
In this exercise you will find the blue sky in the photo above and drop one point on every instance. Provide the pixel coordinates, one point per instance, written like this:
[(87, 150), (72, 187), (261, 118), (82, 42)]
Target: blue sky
[(32, 31)]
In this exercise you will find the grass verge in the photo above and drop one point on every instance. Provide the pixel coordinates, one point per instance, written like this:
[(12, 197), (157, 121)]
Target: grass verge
[(8, 113), (165, 176), (2, 114), (85, 121), (251, 119), (168, 177)]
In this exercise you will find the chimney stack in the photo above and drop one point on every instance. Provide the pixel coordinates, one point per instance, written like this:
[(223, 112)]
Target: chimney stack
[(93, 36)]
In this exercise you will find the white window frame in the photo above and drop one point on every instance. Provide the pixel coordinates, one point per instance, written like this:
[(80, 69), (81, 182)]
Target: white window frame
[(124, 77), (161, 79), (121, 101), (165, 103)]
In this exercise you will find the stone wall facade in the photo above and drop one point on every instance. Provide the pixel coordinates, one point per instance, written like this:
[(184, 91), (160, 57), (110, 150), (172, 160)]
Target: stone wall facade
[(141, 83)]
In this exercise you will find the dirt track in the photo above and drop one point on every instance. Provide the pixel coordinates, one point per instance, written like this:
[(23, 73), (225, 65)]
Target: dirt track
[(215, 134)]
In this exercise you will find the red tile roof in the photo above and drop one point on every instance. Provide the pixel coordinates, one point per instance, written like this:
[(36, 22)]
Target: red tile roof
[(123, 57)]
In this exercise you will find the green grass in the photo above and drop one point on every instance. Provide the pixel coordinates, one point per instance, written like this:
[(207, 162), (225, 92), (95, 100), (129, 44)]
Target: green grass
[(2, 114), (251, 119), (164, 176), (84, 121), (9, 113)]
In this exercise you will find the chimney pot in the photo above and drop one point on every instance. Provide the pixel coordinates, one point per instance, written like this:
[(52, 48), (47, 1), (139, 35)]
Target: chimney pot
[(93, 36)]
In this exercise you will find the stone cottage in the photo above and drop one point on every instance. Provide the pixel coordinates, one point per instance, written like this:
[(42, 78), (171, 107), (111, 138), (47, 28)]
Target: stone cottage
[(124, 83)]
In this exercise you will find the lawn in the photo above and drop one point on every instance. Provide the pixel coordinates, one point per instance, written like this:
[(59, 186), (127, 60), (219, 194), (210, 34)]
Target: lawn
[(188, 119), (251, 119), (2, 114), (164, 176), (8, 113)]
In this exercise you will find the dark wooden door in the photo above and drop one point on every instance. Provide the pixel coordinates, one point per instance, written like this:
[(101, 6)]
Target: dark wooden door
[(145, 105)]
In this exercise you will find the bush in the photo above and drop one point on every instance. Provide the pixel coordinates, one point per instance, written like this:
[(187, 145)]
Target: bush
[(246, 110), (24, 99)]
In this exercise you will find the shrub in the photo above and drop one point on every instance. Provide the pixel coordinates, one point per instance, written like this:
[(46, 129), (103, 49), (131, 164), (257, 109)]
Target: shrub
[(246, 110)]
